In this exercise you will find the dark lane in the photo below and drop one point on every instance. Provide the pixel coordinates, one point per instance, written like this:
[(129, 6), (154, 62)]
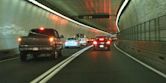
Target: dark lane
[(15, 71), (105, 67)]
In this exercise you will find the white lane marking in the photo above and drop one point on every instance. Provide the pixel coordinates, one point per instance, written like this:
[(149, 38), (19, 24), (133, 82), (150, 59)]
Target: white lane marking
[(8, 59), (54, 70), (142, 63)]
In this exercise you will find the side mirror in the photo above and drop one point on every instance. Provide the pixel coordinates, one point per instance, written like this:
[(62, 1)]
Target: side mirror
[(61, 36)]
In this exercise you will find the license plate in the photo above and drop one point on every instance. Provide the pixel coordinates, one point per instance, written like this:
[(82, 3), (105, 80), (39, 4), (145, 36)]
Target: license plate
[(35, 49), (101, 42), (101, 46)]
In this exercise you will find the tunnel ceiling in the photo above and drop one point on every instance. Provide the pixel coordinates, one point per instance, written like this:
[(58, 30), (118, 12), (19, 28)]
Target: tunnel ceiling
[(100, 14)]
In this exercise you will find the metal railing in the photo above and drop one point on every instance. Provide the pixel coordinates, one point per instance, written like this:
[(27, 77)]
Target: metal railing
[(151, 30)]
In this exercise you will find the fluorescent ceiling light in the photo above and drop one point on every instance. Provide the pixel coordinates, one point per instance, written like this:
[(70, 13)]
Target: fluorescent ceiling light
[(120, 12), (56, 13)]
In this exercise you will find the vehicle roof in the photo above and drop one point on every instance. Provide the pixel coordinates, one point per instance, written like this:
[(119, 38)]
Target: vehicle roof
[(44, 32), (101, 36), (44, 29)]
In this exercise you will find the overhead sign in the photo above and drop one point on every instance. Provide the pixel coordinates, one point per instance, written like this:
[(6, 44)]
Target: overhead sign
[(95, 16)]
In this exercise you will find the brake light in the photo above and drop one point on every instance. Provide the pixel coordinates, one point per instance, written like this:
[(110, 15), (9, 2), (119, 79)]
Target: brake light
[(41, 29), (19, 39), (108, 42), (95, 42), (101, 39), (51, 39)]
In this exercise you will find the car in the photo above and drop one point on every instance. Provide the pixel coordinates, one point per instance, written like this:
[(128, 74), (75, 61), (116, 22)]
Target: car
[(83, 41), (102, 43), (90, 41), (71, 42), (114, 38)]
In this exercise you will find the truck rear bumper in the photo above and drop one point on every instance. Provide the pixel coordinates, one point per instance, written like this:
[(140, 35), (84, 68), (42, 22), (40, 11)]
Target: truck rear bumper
[(36, 49)]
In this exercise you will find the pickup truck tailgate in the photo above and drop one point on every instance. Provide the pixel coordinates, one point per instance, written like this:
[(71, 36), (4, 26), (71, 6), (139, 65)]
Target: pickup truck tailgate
[(35, 41)]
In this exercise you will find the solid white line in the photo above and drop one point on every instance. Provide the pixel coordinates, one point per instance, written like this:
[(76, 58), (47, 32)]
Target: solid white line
[(48, 72), (54, 70), (142, 63), (8, 59), (120, 12)]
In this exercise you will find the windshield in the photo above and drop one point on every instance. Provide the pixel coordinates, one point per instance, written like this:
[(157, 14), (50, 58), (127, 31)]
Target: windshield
[(71, 39), (45, 32)]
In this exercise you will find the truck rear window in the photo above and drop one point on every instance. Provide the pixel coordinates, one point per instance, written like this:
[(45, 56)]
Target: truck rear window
[(45, 32)]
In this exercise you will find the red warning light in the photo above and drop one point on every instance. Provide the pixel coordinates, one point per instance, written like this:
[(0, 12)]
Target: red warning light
[(41, 28)]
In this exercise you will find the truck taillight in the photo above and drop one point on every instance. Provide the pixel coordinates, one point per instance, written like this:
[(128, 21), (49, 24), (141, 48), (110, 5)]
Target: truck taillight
[(108, 42), (51, 39), (95, 42), (41, 28), (19, 39)]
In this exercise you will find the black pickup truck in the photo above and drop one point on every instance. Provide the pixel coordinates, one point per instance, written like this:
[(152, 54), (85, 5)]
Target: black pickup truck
[(41, 41)]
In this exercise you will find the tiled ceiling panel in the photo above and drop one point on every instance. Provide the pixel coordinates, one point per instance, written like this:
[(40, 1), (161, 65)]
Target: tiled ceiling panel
[(75, 8)]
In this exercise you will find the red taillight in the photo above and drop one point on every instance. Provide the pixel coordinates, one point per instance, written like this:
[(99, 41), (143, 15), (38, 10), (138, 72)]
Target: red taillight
[(51, 39), (95, 42), (108, 42), (41, 29), (101, 39)]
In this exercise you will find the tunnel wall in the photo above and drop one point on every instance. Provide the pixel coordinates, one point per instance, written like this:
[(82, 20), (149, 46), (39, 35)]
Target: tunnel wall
[(17, 17), (143, 30)]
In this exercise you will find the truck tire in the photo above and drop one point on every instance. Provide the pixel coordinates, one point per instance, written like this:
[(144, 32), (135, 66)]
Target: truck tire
[(23, 57), (54, 55), (60, 53)]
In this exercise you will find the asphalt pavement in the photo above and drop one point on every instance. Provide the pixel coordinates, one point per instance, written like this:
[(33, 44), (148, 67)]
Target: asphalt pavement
[(89, 67), (15, 71), (105, 67)]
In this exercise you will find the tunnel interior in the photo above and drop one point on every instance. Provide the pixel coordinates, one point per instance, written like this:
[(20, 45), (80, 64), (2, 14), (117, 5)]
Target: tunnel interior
[(142, 27)]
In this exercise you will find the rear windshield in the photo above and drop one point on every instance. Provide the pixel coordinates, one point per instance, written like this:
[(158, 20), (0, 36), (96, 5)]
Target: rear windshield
[(101, 37), (105, 37), (71, 39), (45, 32)]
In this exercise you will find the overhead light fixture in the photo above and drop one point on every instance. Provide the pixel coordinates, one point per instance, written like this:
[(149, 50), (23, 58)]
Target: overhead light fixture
[(56, 13), (120, 12)]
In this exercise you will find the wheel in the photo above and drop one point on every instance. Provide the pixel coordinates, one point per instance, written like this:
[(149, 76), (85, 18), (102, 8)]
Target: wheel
[(108, 49), (35, 56), (60, 53), (54, 55), (66, 47), (94, 48), (23, 57)]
